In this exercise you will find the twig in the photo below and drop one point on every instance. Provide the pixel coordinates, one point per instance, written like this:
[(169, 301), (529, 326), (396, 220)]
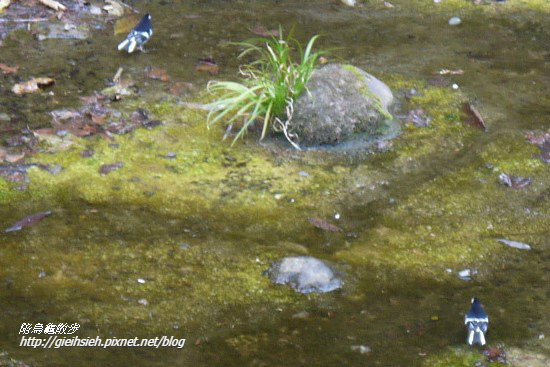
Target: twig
[(116, 78), (284, 126), (23, 20)]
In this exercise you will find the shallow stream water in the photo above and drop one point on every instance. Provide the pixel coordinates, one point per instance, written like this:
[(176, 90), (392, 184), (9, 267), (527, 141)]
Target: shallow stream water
[(411, 221)]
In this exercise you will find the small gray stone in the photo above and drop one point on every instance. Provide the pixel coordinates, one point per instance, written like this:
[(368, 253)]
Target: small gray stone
[(305, 274), (465, 274), (455, 21), (514, 244), (302, 315), (363, 349)]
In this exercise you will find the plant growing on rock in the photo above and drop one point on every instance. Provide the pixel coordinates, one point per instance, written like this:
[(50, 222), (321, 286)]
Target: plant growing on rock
[(269, 88)]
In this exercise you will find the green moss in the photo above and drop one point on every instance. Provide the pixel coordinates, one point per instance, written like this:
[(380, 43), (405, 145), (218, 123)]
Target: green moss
[(455, 357), (365, 91)]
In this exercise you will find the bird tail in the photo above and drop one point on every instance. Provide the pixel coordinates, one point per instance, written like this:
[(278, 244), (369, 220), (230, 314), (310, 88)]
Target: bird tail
[(476, 336), (123, 44), (132, 46)]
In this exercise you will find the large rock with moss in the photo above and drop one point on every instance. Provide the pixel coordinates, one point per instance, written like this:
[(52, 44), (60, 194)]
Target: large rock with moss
[(342, 101)]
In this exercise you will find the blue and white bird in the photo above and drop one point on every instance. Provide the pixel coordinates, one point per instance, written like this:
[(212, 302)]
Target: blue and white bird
[(138, 36), (477, 322)]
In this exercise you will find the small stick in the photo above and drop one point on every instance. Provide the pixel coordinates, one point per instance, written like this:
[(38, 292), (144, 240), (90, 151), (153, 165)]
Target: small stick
[(116, 78), (23, 20)]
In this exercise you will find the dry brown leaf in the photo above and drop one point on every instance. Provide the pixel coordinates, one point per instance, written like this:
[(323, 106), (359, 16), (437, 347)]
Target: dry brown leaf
[(57, 6), (181, 88), (32, 85), (8, 69), (262, 31), (208, 66), (474, 117), (324, 225), (45, 131), (159, 74), (14, 157)]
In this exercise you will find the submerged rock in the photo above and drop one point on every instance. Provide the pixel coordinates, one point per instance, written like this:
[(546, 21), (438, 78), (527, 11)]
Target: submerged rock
[(342, 101), (305, 274), (514, 244)]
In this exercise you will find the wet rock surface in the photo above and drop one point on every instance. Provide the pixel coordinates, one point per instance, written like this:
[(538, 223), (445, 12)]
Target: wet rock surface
[(341, 101), (305, 274)]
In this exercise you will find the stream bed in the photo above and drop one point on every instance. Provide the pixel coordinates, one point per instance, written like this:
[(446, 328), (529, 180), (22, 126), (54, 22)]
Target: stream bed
[(167, 230)]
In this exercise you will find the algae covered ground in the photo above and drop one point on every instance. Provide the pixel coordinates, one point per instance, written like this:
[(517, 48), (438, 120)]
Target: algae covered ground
[(177, 239)]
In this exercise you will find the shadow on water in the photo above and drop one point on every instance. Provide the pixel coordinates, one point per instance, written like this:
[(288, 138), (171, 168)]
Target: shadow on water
[(82, 264)]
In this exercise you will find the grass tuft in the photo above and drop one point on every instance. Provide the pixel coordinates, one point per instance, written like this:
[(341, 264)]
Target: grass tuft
[(269, 87)]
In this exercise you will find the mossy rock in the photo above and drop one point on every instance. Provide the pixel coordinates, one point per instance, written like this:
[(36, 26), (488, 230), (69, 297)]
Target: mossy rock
[(342, 102)]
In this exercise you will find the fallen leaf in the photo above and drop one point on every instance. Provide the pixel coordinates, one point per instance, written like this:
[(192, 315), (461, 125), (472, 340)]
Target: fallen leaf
[(108, 168), (87, 153), (45, 131), (14, 157), (8, 69), (151, 124), (262, 31), (537, 137), (92, 99), (158, 74), (57, 6), (32, 85), (495, 354), (514, 182), (28, 221), (419, 118), (64, 114), (451, 72), (324, 225), (4, 4), (181, 88), (139, 116), (208, 66), (474, 117), (82, 129), (439, 81)]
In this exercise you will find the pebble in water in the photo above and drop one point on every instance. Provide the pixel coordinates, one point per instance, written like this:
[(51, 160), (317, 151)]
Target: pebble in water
[(455, 21), (514, 244), (305, 274), (465, 274), (363, 349)]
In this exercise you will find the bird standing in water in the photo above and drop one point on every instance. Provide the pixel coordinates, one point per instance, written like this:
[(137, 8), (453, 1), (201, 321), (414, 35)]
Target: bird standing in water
[(138, 36), (477, 322)]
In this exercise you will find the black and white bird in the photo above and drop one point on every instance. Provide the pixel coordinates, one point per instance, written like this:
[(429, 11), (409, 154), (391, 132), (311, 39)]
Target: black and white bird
[(477, 322), (138, 36)]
